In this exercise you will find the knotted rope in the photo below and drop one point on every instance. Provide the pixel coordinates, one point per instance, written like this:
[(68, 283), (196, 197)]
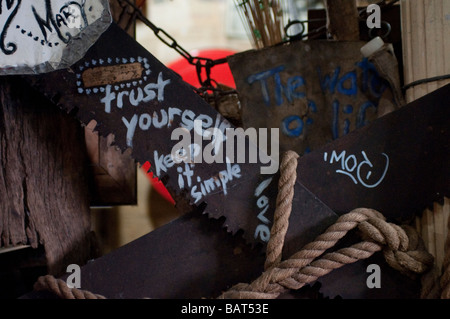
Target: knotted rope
[(402, 247)]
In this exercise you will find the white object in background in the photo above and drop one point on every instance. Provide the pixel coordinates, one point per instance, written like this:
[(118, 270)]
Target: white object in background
[(234, 25), (372, 46)]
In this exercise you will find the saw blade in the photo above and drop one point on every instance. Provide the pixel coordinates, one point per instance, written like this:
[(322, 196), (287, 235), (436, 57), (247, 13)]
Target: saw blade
[(132, 95), (398, 164), (191, 257)]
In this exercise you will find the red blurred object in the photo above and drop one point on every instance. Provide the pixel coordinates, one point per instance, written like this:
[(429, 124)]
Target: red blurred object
[(221, 73), (157, 184)]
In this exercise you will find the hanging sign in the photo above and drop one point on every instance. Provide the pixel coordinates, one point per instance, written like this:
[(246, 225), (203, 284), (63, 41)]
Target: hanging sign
[(313, 91), (42, 36)]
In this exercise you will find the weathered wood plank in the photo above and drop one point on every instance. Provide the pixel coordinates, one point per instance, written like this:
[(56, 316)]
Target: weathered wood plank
[(342, 19), (43, 177), (426, 45)]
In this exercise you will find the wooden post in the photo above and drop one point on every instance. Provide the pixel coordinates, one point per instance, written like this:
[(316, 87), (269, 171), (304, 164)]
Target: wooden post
[(342, 19), (426, 54), (122, 16), (426, 44), (44, 181)]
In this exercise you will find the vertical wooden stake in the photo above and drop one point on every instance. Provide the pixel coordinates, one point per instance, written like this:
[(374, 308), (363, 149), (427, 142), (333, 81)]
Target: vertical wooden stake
[(342, 19), (426, 54), (426, 44), (44, 178)]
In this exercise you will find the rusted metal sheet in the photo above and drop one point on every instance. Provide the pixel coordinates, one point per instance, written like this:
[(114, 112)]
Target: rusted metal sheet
[(159, 102), (313, 91)]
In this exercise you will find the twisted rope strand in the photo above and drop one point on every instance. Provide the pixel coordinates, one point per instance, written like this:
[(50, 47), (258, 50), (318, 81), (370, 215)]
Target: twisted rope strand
[(62, 290), (283, 208)]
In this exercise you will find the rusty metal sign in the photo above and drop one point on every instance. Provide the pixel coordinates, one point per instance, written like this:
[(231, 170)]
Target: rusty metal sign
[(42, 36), (144, 104), (313, 91)]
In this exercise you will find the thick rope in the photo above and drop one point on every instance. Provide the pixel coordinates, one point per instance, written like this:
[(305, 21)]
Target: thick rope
[(402, 247), (283, 208), (62, 290)]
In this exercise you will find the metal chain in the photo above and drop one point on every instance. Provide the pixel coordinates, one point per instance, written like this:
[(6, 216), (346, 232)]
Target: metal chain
[(200, 63)]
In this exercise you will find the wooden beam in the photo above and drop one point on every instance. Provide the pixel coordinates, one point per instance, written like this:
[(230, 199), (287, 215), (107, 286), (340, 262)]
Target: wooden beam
[(122, 15), (44, 178), (342, 19), (426, 44)]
